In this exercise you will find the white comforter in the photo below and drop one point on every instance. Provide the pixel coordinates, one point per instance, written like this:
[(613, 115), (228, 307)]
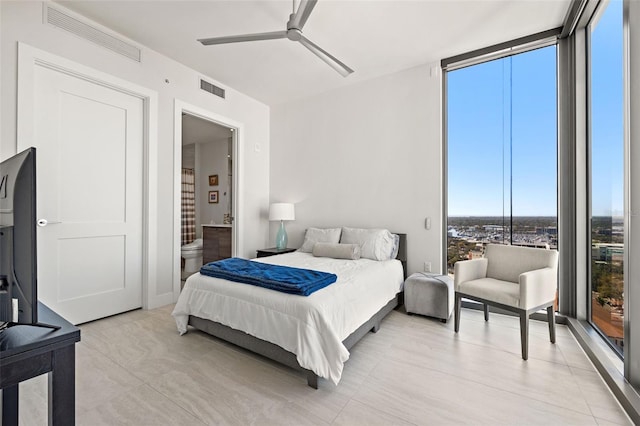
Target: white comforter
[(311, 327)]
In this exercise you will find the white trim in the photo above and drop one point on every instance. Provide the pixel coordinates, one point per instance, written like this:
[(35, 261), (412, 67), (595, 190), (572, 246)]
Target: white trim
[(238, 141), (30, 57)]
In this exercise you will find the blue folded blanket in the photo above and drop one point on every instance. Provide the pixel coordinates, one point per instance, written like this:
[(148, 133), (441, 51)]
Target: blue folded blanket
[(275, 277)]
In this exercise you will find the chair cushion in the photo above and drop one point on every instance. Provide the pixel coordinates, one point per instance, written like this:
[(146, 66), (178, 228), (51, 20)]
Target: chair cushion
[(504, 292), (508, 262)]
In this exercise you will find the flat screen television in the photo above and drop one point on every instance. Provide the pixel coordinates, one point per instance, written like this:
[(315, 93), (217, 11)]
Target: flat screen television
[(18, 262)]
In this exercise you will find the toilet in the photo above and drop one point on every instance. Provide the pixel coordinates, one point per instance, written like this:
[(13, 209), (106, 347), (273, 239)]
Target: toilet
[(192, 255)]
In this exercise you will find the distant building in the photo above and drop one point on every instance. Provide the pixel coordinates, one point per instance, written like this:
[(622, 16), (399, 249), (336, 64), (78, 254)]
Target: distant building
[(550, 230), (608, 321), (539, 244), (607, 252)]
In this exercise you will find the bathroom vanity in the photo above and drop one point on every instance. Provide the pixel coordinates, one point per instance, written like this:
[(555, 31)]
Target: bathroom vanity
[(216, 242)]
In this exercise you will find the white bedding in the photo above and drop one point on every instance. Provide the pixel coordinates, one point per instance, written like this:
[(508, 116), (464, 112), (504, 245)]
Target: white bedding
[(311, 327)]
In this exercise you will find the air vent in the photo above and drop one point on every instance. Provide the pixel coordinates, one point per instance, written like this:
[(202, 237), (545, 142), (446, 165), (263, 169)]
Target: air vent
[(211, 88), (68, 23)]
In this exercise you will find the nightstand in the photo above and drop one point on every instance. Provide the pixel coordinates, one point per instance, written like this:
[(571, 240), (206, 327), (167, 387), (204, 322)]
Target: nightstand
[(273, 251)]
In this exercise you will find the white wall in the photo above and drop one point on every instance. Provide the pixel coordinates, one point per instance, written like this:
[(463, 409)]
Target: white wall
[(189, 156), (22, 21), (368, 155), (212, 160)]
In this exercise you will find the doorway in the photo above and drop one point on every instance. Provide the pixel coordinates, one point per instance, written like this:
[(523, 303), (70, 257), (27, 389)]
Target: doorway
[(207, 193), (206, 184), (74, 114)]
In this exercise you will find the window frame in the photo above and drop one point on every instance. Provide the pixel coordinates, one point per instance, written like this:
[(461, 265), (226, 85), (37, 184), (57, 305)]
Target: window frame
[(588, 32)]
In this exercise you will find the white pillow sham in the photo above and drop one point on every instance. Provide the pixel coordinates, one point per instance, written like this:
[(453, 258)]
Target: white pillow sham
[(337, 251), (396, 246), (319, 235), (375, 244)]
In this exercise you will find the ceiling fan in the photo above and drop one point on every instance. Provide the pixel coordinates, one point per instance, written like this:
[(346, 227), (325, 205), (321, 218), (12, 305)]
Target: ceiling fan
[(293, 33)]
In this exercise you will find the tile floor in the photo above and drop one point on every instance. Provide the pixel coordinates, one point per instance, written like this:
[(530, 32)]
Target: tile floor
[(134, 369)]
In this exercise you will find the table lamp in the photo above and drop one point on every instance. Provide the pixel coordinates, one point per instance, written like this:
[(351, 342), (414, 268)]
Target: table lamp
[(281, 212)]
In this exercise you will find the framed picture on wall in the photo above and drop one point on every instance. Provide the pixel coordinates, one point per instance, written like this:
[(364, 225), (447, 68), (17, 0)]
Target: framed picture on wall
[(213, 180), (213, 197)]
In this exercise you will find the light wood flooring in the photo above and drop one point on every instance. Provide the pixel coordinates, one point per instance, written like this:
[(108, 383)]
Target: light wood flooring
[(134, 369)]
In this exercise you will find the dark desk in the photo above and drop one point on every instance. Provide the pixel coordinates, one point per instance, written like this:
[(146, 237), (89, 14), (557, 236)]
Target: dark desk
[(27, 352)]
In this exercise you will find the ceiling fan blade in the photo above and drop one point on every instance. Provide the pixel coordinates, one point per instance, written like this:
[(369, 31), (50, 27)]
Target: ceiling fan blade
[(304, 10), (329, 59), (245, 37)]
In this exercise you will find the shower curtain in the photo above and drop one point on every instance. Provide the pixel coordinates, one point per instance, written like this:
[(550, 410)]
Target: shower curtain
[(188, 206)]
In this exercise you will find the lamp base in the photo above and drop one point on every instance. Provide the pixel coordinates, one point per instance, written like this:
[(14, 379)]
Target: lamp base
[(281, 237)]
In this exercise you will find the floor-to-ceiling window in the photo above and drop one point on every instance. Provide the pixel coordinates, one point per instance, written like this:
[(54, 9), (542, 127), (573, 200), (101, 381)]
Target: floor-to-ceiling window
[(596, 46), (502, 154), (607, 173)]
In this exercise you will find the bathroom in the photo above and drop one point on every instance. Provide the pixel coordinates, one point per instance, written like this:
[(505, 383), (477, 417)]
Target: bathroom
[(207, 193)]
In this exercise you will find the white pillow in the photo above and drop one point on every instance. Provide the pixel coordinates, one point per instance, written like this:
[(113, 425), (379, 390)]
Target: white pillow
[(318, 235), (375, 244), (396, 246), (337, 251)]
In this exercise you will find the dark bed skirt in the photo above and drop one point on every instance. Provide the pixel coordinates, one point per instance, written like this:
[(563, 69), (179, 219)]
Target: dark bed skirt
[(278, 354)]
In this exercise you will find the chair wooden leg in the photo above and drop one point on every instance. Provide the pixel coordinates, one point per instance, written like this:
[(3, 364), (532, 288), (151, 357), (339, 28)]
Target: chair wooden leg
[(524, 334), (551, 318), (456, 309), (486, 312)]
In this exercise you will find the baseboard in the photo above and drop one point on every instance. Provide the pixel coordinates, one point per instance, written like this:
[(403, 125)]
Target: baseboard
[(160, 300)]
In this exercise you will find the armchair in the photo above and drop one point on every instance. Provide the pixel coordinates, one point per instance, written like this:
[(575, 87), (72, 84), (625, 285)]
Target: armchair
[(517, 279)]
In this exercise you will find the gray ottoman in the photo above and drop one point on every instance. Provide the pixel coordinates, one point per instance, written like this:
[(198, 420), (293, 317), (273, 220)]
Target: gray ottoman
[(429, 294)]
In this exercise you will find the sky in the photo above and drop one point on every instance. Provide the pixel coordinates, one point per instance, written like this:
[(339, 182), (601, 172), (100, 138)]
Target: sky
[(607, 111), (502, 131)]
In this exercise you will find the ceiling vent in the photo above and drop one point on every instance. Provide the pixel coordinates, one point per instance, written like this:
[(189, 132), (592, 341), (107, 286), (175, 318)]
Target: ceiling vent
[(68, 23), (211, 88)]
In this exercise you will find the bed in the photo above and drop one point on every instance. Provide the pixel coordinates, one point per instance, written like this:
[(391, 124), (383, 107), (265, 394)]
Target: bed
[(313, 333)]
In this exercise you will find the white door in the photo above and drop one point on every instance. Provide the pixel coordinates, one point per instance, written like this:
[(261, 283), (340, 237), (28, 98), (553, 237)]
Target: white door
[(89, 141)]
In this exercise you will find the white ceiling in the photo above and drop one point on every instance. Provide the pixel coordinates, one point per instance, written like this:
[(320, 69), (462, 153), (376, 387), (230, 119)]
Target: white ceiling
[(374, 37)]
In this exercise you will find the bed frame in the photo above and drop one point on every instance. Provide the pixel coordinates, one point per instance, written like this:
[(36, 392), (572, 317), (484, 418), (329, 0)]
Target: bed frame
[(277, 353)]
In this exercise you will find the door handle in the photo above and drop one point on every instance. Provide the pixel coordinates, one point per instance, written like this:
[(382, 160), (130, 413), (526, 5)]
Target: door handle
[(44, 222)]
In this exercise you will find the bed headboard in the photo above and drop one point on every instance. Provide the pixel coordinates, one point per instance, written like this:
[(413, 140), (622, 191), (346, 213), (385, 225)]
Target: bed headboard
[(402, 252)]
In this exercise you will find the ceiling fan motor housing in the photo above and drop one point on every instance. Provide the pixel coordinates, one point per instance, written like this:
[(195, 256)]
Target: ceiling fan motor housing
[(294, 34)]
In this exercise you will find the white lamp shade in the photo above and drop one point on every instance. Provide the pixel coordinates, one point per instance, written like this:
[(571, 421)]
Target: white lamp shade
[(281, 211)]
